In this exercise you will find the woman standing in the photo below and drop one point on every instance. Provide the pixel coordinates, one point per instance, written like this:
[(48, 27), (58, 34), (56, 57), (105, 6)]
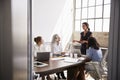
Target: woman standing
[(84, 37)]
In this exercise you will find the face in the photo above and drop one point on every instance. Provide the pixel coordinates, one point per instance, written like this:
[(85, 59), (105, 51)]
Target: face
[(57, 38), (84, 27), (40, 42)]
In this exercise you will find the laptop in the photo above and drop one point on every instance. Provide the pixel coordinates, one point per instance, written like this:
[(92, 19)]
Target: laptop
[(43, 56)]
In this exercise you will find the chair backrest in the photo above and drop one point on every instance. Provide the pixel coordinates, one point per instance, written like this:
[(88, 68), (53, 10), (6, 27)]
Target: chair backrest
[(75, 48)]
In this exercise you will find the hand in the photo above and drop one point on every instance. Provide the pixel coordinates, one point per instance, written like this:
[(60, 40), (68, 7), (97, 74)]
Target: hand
[(84, 41), (74, 40)]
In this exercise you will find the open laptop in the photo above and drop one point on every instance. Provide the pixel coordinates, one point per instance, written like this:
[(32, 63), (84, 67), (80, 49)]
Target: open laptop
[(43, 56)]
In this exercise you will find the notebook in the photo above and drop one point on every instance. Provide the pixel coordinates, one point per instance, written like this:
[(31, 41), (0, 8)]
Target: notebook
[(43, 56)]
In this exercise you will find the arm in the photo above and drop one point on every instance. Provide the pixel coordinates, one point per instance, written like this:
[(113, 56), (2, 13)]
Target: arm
[(88, 56)]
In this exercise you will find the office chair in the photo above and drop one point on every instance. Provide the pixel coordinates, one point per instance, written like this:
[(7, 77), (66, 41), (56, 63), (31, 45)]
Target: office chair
[(100, 69), (74, 48)]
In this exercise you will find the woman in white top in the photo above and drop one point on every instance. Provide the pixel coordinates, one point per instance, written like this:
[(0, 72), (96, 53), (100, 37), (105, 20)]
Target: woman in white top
[(38, 47), (56, 49)]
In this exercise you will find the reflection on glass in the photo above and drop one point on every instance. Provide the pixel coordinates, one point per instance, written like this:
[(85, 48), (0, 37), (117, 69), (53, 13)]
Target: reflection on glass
[(78, 3), (84, 13), (91, 24), (91, 12), (77, 25), (84, 3), (91, 3), (106, 25), (81, 24), (98, 11), (107, 1), (98, 25), (77, 16), (99, 2), (106, 10)]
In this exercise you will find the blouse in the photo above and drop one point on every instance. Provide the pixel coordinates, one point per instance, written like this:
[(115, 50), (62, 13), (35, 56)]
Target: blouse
[(37, 48), (95, 55)]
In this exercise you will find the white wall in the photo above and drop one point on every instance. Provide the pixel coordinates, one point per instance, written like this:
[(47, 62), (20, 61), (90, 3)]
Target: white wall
[(45, 15)]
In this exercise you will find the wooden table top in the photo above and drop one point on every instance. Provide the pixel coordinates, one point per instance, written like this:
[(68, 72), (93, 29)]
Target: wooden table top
[(55, 66)]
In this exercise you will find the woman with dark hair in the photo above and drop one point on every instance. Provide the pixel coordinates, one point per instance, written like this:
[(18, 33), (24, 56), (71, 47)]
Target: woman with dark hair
[(94, 52), (84, 37), (38, 47)]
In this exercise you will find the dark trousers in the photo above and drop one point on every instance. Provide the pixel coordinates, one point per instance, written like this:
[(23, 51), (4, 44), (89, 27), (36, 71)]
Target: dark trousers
[(83, 49), (60, 74)]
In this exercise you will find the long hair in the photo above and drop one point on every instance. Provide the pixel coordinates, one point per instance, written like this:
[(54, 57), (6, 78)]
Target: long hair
[(92, 42), (53, 41), (54, 38), (85, 23)]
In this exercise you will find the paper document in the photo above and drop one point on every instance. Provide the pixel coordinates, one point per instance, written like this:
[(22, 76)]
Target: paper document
[(69, 59), (57, 58)]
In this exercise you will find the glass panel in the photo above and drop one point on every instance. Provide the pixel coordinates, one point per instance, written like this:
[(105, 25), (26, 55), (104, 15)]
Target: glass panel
[(91, 3), (106, 10), (98, 25), (91, 12), (91, 24), (77, 25), (78, 3), (77, 16), (106, 25), (84, 13), (81, 24), (99, 2), (107, 1), (84, 3), (98, 11)]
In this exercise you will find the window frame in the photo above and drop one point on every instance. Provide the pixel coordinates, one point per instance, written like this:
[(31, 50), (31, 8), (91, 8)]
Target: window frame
[(87, 19)]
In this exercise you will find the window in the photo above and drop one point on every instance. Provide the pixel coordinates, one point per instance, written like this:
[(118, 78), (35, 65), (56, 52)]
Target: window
[(95, 12)]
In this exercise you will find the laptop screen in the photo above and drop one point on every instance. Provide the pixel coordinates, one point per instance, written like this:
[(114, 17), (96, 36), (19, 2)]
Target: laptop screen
[(43, 56)]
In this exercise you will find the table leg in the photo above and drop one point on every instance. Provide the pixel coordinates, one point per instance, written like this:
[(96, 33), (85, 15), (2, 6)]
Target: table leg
[(76, 73), (72, 72)]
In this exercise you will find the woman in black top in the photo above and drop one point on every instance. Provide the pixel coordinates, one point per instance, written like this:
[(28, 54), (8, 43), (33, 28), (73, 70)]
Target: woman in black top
[(84, 37)]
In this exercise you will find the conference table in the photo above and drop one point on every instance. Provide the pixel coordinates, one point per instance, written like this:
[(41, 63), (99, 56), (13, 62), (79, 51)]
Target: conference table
[(59, 65)]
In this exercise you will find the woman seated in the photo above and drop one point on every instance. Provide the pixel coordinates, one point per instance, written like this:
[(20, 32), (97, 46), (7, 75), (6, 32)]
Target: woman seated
[(39, 47), (56, 49), (93, 53)]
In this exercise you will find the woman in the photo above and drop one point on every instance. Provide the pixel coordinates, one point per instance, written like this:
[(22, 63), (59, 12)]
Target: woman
[(39, 47), (56, 49), (94, 54), (84, 37)]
